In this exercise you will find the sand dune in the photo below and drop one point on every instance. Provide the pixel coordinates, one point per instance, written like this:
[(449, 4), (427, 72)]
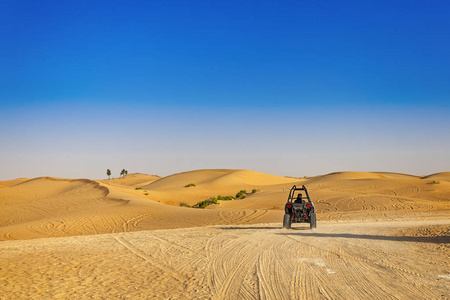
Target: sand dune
[(209, 183), (8, 183), (352, 175), (218, 179), (53, 207), (397, 175), (367, 193), (444, 176), (135, 179)]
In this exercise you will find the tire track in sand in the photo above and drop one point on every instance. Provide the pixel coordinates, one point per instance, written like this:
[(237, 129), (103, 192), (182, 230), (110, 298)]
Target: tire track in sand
[(356, 258), (165, 269), (239, 216), (231, 265)]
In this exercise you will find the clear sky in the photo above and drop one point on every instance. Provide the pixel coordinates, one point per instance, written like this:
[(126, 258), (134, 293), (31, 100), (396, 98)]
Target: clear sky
[(294, 88)]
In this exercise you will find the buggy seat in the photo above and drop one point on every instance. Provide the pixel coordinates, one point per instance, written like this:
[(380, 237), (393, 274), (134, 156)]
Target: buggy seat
[(300, 205)]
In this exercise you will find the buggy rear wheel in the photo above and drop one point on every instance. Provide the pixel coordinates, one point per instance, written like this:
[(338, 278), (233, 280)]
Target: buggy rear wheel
[(287, 220), (313, 221)]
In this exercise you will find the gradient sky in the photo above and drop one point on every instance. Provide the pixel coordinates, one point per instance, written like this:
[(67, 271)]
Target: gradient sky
[(296, 88)]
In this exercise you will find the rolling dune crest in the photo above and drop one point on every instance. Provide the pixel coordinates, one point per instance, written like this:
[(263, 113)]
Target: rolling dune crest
[(53, 207)]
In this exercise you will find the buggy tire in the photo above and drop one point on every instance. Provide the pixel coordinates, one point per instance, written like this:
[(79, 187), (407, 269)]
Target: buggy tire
[(313, 221), (287, 220)]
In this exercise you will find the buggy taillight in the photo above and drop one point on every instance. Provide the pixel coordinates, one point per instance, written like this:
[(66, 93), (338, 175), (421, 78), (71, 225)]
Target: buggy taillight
[(308, 205), (289, 205)]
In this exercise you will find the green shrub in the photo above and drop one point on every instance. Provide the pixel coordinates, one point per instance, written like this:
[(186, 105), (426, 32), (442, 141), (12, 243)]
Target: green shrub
[(145, 194), (254, 191), (226, 198), (138, 188), (205, 203), (241, 193), (243, 197), (190, 184), (435, 182), (202, 204), (185, 204)]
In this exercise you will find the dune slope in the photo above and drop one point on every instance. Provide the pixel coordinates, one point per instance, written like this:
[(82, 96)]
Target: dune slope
[(53, 207), (444, 176), (134, 179), (8, 183), (209, 183)]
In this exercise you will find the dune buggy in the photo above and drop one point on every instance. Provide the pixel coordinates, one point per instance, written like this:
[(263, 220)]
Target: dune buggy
[(299, 209)]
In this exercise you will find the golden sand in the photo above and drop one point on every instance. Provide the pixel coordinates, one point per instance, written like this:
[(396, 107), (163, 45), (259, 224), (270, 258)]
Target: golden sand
[(379, 235)]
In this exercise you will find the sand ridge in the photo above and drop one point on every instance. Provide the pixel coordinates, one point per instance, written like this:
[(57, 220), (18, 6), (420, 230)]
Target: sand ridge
[(210, 183), (8, 183), (53, 207), (444, 176), (134, 179)]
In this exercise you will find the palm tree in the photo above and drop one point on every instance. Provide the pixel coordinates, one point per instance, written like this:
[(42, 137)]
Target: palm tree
[(108, 172)]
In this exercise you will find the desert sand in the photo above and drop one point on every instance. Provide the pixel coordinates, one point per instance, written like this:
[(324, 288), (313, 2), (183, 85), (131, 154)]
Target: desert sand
[(379, 235)]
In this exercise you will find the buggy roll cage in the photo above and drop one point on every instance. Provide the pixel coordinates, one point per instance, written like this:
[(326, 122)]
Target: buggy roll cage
[(291, 197)]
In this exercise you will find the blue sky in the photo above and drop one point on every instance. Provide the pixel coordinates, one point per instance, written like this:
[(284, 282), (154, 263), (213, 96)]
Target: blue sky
[(284, 87)]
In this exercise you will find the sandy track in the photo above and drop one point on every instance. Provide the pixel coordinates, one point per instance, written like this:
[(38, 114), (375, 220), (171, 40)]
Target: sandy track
[(404, 260)]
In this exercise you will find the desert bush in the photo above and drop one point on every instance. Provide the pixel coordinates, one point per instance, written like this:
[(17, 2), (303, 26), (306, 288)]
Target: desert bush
[(244, 196), (202, 204), (435, 182), (190, 184), (145, 194), (241, 193), (225, 198), (138, 188), (205, 203), (254, 191), (185, 204)]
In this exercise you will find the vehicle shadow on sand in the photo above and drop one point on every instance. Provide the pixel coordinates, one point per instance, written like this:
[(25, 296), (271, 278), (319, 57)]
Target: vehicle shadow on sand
[(259, 228), (445, 239)]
